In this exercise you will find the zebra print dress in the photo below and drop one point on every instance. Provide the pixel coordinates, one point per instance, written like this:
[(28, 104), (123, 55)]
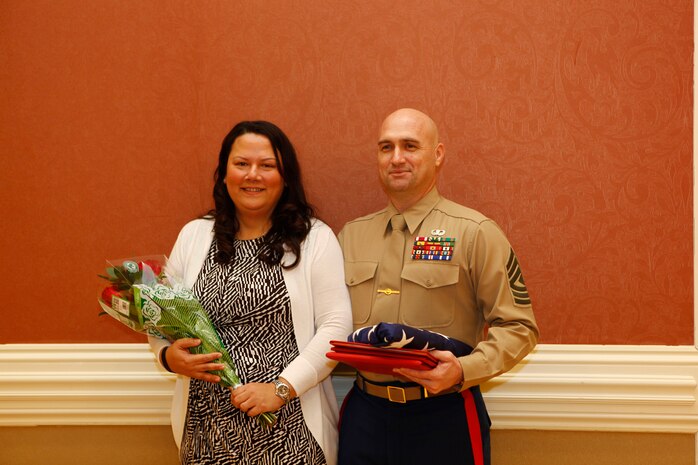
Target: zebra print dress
[(249, 304)]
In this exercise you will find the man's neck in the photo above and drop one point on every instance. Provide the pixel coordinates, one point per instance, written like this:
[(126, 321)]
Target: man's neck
[(403, 204), (403, 201)]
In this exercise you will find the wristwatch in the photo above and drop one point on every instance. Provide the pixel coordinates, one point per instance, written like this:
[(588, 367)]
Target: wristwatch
[(283, 390)]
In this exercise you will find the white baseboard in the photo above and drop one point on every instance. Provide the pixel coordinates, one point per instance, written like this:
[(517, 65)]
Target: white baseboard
[(80, 384), (599, 388), (557, 387)]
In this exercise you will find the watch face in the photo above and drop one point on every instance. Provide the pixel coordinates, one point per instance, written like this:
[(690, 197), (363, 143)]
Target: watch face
[(283, 391)]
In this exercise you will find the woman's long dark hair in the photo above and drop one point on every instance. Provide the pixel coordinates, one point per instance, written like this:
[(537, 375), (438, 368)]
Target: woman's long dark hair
[(291, 218)]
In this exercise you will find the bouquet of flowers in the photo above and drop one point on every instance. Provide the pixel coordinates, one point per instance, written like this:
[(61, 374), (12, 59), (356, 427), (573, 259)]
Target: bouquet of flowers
[(142, 297)]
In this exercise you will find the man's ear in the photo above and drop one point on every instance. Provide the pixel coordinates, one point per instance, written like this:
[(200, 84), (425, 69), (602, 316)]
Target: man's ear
[(440, 154)]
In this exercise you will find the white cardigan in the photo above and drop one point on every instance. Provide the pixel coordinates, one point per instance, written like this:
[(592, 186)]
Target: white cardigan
[(321, 312)]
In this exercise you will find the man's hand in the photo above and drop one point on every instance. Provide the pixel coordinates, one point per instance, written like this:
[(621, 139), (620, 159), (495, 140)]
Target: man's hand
[(185, 363), (444, 376)]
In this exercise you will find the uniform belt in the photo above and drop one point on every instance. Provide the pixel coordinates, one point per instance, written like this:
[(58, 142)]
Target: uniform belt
[(400, 394)]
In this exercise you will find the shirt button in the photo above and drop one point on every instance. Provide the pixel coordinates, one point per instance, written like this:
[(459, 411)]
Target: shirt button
[(351, 281), (428, 283)]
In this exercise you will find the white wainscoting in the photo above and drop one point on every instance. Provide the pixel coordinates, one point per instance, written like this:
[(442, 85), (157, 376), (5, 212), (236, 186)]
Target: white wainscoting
[(557, 387)]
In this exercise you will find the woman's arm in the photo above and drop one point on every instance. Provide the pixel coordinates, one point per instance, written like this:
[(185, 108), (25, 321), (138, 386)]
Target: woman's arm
[(323, 267)]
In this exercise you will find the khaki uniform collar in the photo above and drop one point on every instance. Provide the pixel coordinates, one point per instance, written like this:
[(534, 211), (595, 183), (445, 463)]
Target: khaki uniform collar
[(417, 212)]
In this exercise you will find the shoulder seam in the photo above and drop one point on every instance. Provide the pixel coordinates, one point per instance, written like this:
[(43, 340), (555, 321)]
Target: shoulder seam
[(368, 217), (466, 218)]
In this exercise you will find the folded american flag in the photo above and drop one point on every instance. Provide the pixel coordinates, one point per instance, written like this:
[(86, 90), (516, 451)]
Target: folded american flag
[(397, 335)]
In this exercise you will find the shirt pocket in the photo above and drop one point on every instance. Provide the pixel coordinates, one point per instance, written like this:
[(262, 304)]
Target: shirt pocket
[(359, 279), (429, 294)]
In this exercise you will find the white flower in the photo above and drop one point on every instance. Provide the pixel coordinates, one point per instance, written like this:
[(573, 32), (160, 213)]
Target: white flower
[(151, 311), (162, 292)]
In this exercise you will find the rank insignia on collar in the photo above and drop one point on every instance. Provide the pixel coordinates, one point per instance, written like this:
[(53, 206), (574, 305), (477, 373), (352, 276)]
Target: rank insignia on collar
[(433, 248), (438, 232)]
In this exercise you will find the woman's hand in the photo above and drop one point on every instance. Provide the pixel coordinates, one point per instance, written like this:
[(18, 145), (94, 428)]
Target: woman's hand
[(256, 398), (185, 363)]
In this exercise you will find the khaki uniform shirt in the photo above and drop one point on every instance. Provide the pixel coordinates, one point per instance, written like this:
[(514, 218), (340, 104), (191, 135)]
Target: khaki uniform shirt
[(480, 287)]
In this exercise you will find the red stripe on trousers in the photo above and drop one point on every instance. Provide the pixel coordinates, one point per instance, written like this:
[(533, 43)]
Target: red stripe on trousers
[(473, 426)]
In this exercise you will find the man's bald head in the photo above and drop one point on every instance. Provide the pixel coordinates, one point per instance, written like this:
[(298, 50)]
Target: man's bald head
[(419, 121)]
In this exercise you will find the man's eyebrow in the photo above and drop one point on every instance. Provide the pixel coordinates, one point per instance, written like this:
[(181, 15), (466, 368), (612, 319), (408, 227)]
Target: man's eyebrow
[(405, 139)]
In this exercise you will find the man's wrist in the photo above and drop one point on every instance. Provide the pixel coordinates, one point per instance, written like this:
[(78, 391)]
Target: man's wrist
[(459, 385)]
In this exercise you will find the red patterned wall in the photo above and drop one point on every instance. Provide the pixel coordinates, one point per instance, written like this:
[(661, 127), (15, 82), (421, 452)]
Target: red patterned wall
[(568, 122)]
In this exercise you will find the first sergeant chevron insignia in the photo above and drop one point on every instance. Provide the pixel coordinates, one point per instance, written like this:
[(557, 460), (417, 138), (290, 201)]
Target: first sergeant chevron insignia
[(516, 282)]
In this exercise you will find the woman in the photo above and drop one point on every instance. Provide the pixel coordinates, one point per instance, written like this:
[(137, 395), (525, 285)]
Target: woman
[(271, 278)]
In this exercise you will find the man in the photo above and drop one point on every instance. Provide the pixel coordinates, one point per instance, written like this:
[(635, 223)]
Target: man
[(452, 272)]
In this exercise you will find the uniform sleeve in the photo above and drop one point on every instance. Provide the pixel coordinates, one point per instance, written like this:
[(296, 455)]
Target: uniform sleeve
[(504, 301), (331, 311)]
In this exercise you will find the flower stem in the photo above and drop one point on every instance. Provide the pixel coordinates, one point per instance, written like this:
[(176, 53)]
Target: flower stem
[(266, 419)]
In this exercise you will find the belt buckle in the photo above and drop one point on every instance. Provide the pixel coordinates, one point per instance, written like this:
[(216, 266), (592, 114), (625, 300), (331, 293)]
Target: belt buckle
[(400, 393)]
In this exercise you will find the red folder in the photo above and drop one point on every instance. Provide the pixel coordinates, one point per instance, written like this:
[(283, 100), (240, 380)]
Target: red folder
[(365, 357)]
